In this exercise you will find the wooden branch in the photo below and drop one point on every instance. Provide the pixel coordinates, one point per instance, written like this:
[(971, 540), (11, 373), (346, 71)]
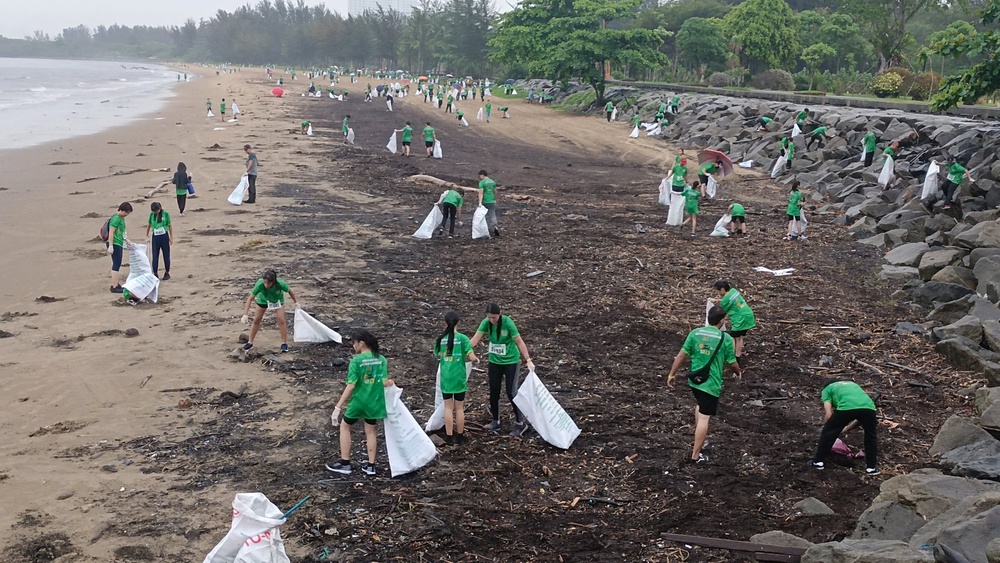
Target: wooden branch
[(436, 181), (152, 192), (124, 173)]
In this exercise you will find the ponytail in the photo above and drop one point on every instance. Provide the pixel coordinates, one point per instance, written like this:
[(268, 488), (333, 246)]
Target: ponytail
[(370, 341), (451, 318), (494, 309)]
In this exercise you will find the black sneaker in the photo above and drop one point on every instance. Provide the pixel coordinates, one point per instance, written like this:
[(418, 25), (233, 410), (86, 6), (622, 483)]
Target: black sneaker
[(460, 438), (817, 464), (340, 466), (449, 439), (519, 429), (872, 471), (117, 289), (369, 469), (166, 277), (248, 346), (493, 426), (284, 347), (702, 459)]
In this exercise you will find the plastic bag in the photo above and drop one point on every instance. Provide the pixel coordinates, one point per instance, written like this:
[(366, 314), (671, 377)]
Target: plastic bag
[(544, 413), (236, 198), (437, 150), (309, 131), (840, 448), (308, 329), (802, 223), (513, 92), (712, 188), (931, 182), (746, 164), (863, 149), (210, 114), (796, 131), (350, 135), (664, 191), (885, 178), (708, 308), (614, 114), (236, 110), (430, 223), (722, 226), (465, 122), (388, 103), (436, 421), (190, 188), (479, 115), (676, 214), (635, 133), (332, 96), (653, 132), (779, 167), (409, 448), (392, 144), (253, 536), (479, 227)]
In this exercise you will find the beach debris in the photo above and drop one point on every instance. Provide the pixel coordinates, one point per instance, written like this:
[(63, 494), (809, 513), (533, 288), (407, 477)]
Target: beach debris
[(125, 172)]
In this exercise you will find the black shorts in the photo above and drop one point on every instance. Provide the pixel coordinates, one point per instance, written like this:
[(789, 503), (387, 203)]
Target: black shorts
[(703, 178), (351, 421), (406, 143), (428, 144), (708, 405), (739, 219), (794, 218), (116, 258), (738, 333), (456, 396)]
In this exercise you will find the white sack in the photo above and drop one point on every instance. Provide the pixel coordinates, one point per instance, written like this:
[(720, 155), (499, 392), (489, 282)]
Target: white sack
[(392, 144), (722, 226), (430, 223), (802, 223), (782, 272), (388, 103), (332, 96), (779, 167), (479, 227), (544, 413), (664, 191), (653, 132), (635, 133), (708, 308), (350, 135), (676, 214), (863, 148), (796, 131), (465, 122), (885, 178), (436, 421), (931, 182), (513, 92), (143, 286), (409, 448), (210, 114), (437, 150), (614, 114), (236, 198), (309, 131), (746, 164), (308, 329), (253, 536), (712, 188), (236, 110), (480, 114)]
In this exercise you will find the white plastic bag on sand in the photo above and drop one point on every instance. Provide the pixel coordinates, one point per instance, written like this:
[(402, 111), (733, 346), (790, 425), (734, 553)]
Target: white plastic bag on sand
[(479, 115), (308, 329), (437, 150), (635, 133), (253, 536), (332, 96), (802, 223), (676, 214), (340, 98), (664, 191), (409, 448), (430, 223), (236, 110), (712, 188), (931, 182), (143, 286), (544, 413), (309, 131), (649, 126), (653, 132), (236, 198), (392, 144), (513, 92), (722, 226), (784, 272), (885, 178), (465, 122), (779, 167), (614, 114), (479, 227), (210, 114), (350, 135), (796, 131), (436, 421), (746, 164)]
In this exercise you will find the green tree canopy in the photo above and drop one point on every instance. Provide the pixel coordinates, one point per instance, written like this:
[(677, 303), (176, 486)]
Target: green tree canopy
[(814, 55), (982, 78), (701, 43), (764, 33), (884, 24)]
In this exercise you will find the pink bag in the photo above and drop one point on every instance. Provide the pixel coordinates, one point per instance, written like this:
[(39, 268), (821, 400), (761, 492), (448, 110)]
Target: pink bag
[(840, 448)]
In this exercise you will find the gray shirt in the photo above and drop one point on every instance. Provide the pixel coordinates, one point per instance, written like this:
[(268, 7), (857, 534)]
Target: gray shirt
[(252, 157)]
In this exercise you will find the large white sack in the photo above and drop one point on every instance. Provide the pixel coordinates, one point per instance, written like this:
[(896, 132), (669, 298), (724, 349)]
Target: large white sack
[(465, 122), (802, 223), (650, 126), (931, 182), (143, 286), (779, 167), (885, 178), (253, 536), (635, 133), (392, 144), (676, 214), (480, 229), (712, 188), (653, 132), (513, 92), (409, 448), (544, 413), (436, 421), (388, 103), (236, 198), (479, 115), (722, 226), (438, 153), (308, 329), (664, 198), (430, 223), (236, 110), (332, 96), (708, 308), (350, 135), (614, 114), (796, 131), (309, 131), (862, 160), (210, 114)]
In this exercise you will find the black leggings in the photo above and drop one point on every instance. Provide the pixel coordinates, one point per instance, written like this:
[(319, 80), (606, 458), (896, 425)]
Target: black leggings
[(161, 243), (839, 420), (449, 212), (181, 201), (949, 190), (868, 158), (509, 374), (814, 139)]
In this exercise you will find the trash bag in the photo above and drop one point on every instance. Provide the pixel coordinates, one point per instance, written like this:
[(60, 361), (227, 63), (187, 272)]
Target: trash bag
[(308, 329), (653, 132), (779, 167), (309, 131), (332, 96), (409, 448), (840, 448), (931, 182), (863, 147), (802, 223), (544, 413), (350, 135), (779, 273), (746, 164), (479, 227), (480, 114), (392, 144), (676, 214), (436, 421), (513, 92), (664, 191), (635, 133), (253, 536), (430, 223), (388, 103), (885, 178), (210, 114), (141, 282), (437, 150), (465, 122), (236, 110), (614, 114), (236, 198), (796, 131), (722, 226), (712, 188)]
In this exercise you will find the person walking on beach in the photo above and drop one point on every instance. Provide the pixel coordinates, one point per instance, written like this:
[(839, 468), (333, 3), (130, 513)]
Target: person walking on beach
[(845, 407), (489, 108), (488, 199), (710, 350), (268, 293), (160, 233), (251, 173), (506, 349), (741, 317), (453, 349), (429, 138), (345, 128), (222, 109), (407, 132), (691, 196), (869, 141), (363, 398), (181, 181), (794, 212), (609, 108), (116, 241), (208, 106)]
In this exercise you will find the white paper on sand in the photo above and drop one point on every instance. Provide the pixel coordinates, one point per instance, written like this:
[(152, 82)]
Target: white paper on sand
[(436, 421), (480, 229), (350, 135), (409, 448), (141, 282), (392, 144), (437, 152), (784, 272), (712, 188), (233, 120), (722, 226), (635, 133), (746, 164), (931, 182), (308, 329), (545, 414), (309, 131), (430, 223), (219, 129), (236, 198), (885, 178)]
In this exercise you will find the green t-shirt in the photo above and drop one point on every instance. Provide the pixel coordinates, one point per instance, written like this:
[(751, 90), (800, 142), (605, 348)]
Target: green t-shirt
[(846, 396), (159, 227), (869, 140), (489, 190), (680, 173), (305, 124), (453, 374), (459, 114), (738, 211), (955, 173), (429, 134), (795, 203), (268, 295), (344, 127), (503, 349), (888, 152), (740, 314), (368, 374), (608, 107), (453, 198), (489, 107), (708, 168), (676, 101), (790, 151), (819, 131), (691, 201), (699, 345), (222, 107), (801, 118), (450, 99), (662, 108), (636, 120), (208, 104), (766, 120), (407, 134), (118, 224)]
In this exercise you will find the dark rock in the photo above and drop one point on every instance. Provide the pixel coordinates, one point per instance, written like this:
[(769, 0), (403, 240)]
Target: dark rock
[(980, 460), (956, 432), (132, 332), (933, 261), (978, 253), (987, 270), (865, 551), (907, 254), (904, 328), (957, 275), (980, 235), (968, 327), (951, 311), (887, 521), (938, 292)]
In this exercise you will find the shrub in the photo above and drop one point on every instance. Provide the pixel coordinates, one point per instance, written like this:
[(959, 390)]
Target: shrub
[(774, 79), (802, 80), (886, 85), (720, 80), (924, 85), (905, 73)]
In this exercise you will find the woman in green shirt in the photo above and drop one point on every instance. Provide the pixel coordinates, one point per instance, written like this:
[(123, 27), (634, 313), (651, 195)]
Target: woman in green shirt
[(740, 315), (117, 240), (181, 181), (691, 196), (506, 349), (956, 172), (739, 215), (794, 211), (363, 398), (453, 349), (268, 293), (450, 205), (160, 233)]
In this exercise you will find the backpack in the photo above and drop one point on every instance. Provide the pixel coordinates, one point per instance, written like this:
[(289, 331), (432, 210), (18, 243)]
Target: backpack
[(106, 230)]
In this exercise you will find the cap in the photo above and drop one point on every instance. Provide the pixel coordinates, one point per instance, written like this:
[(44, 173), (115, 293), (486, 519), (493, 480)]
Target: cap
[(245, 147), (684, 161)]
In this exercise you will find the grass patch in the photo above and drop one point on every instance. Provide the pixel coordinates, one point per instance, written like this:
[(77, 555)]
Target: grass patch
[(584, 98)]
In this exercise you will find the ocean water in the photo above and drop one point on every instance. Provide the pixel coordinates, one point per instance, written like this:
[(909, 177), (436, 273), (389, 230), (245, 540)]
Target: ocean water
[(44, 100)]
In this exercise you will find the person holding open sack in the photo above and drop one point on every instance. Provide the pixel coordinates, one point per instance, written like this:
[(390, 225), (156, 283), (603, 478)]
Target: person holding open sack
[(506, 349), (268, 293), (160, 233)]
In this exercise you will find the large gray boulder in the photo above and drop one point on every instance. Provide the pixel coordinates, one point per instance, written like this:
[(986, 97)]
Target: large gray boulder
[(938, 292), (931, 493), (777, 537), (968, 327), (979, 460), (981, 235), (978, 253), (897, 272), (967, 354), (933, 261), (887, 521), (971, 537), (991, 334), (958, 275), (987, 270), (966, 509), (993, 551), (951, 311), (907, 254), (956, 432), (988, 405), (813, 506), (984, 310), (865, 551)]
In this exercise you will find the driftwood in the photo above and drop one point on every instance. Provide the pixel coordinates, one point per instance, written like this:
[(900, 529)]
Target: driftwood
[(153, 191), (436, 181), (125, 172)]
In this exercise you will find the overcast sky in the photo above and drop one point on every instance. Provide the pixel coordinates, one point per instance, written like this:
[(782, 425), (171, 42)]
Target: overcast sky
[(51, 16)]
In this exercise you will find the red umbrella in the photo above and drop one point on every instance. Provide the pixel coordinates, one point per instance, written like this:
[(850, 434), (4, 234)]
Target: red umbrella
[(278, 92), (716, 156)]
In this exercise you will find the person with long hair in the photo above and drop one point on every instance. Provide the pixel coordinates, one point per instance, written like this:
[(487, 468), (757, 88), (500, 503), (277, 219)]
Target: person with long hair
[(363, 398), (506, 349), (181, 181), (740, 315), (453, 349), (268, 293), (794, 212), (161, 235), (117, 240)]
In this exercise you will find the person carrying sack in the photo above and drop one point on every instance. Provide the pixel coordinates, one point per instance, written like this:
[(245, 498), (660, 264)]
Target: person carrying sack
[(504, 367), (710, 351)]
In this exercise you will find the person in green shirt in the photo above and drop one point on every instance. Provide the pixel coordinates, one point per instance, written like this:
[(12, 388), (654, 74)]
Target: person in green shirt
[(489, 108), (675, 104), (706, 346), (890, 151), (460, 115), (661, 109), (659, 115), (740, 315), (817, 135), (268, 293), (345, 127), (363, 398), (222, 109), (305, 127), (739, 215), (763, 122), (708, 169), (407, 132), (869, 141), (788, 150), (344, 93), (678, 175), (636, 119), (451, 104), (488, 199), (181, 181), (116, 241), (845, 407), (802, 117), (956, 172), (160, 233), (451, 202), (506, 349), (429, 138), (691, 196), (453, 349), (504, 113), (794, 211), (608, 109)]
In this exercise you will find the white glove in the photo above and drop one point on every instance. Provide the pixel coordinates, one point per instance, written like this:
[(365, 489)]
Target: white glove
[(335, 417), (245, 319)]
